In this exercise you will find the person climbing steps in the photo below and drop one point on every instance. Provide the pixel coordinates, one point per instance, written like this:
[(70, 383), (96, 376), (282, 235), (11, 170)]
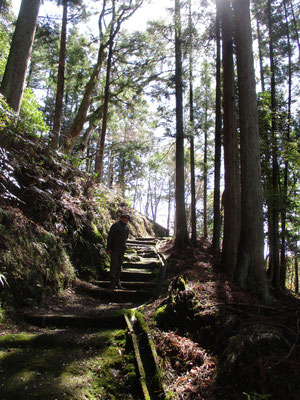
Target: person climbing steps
[(116, 247)]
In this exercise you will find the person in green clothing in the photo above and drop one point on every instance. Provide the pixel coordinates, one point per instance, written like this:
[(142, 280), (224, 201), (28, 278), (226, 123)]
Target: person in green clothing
[(116, 246)]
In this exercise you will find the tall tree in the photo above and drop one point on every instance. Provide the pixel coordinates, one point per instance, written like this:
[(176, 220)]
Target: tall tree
[(274, 234), (101, 139), (218, 128), (231, 196), (12, 85), (181, 235), (192, 129), (250, 272), (283, 261), (125, 10), (60, 80)]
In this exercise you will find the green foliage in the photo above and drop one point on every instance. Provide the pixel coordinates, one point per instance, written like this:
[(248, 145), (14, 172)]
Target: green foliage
[(6, 26), (7, 115), (32, 118)]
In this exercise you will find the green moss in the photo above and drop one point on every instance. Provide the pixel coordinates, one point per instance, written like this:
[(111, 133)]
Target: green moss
[(96, 232), (66, 366), (159, 313)]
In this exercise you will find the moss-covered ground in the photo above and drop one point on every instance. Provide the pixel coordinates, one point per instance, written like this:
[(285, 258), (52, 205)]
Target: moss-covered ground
[(59, 365)]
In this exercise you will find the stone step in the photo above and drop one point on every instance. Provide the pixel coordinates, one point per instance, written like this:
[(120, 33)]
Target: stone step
[(145, 239), (149, 264), (134, 275), (116, 295), (105, 321), (146, 253), (141, 245), (125, 284)]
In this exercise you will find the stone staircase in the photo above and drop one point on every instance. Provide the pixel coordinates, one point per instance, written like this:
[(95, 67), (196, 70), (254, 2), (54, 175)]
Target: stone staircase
[(141, 279)]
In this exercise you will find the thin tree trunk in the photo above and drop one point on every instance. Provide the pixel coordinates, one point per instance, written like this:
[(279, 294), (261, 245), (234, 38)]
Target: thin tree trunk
[(54, 143), (205, 170), (218, 128), (14, 77), (169, 207), (274, 243), (110, 178), (181, 235), (261, 67), (295, 25), (101, 140), (192, 127), (250, 272), (296, 273), (80, 118), (283, 266), (231, 195)]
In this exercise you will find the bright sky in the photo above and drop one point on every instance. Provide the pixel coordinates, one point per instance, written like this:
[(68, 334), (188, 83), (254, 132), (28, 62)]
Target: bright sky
[(138, 21)]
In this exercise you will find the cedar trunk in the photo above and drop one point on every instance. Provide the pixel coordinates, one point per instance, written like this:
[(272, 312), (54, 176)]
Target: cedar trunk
[(250, 272), (54, 143), (192, 127), (80, 119), (13, 81), (181, 236), (218, 128), (231, 194), (101, 139), (274, 237)]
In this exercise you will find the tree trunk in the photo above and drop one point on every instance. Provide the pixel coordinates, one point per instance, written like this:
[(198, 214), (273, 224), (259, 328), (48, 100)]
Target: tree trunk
[(231, 192), (13, 81), (205, 169), (296, 274), (218, 128), (181, 236), (261, 67), (250, 273), (54, 143), (295, 23), (274, 242), (80, 119), (192, 128), (101, 140), (283, 266)]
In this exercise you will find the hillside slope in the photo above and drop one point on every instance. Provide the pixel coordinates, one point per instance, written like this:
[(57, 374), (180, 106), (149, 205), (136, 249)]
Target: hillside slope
[(53, 222)]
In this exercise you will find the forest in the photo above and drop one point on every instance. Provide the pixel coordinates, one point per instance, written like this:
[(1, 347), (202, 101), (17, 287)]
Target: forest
[(191, 122)]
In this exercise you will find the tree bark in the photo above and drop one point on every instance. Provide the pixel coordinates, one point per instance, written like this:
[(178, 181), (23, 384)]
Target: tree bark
[(283, 266), (261, 67), (14, 77), (231, 193), (274, 239), (296, 274), (54, 143), (101, 140), (80, 118), (218, 128), (192, 128), (205, 170), (181, 236), (250, 273)]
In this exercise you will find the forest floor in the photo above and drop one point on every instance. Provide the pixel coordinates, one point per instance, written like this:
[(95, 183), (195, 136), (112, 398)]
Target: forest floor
[(190, 353)]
